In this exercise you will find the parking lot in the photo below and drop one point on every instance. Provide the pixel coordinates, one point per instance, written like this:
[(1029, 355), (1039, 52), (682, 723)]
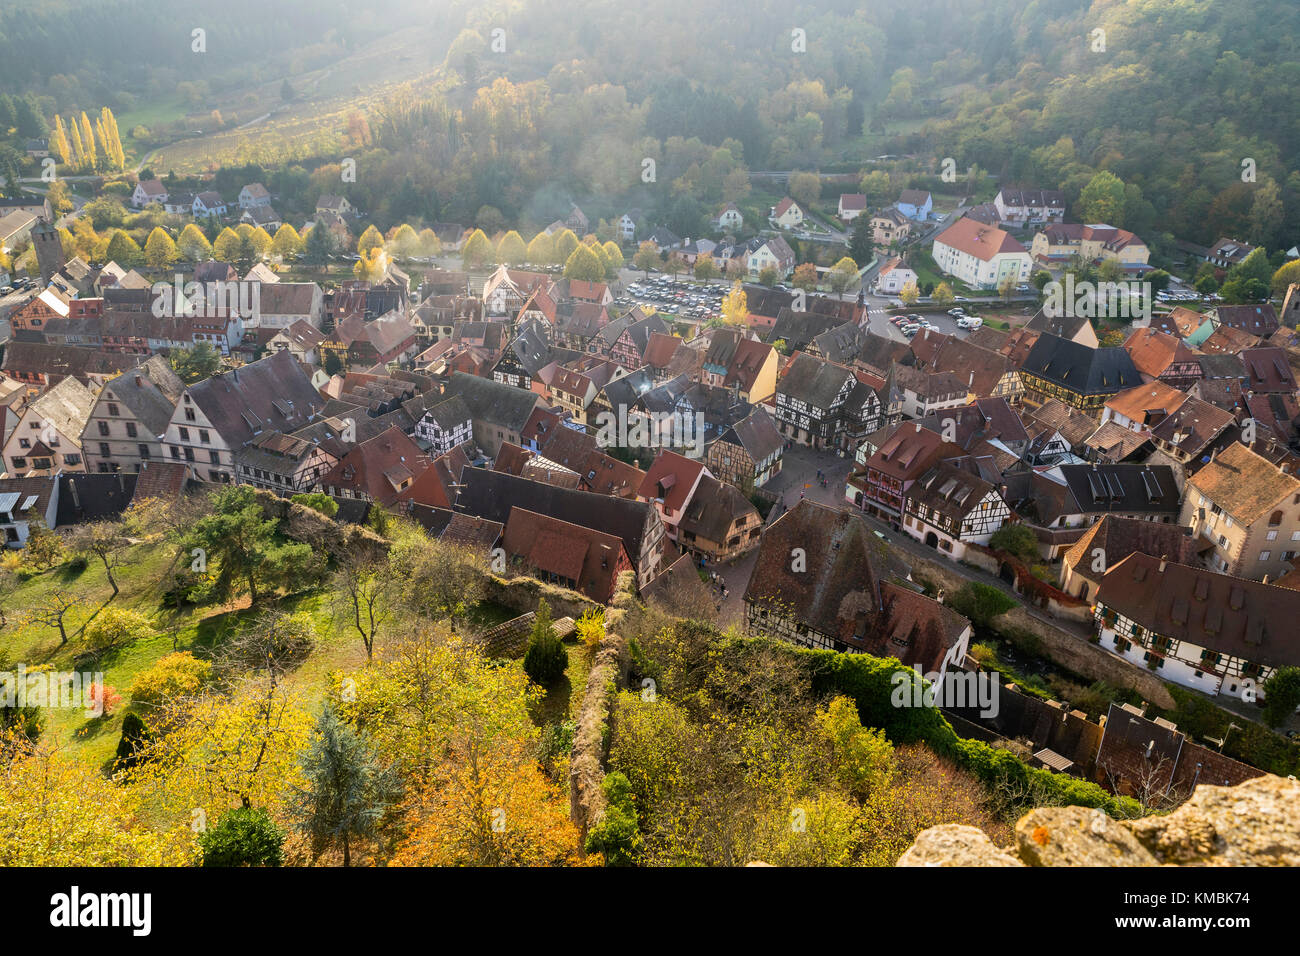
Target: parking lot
[(688, 301)]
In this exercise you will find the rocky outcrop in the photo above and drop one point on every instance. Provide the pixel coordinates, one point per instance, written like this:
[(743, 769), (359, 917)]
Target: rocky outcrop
[(1256, 823)]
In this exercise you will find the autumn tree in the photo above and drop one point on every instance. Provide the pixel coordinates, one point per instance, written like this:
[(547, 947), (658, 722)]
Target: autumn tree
[(805, 188), (942, 295), (735, 305), (805, 277), (511, 250), (226, 246), (124, 250), (705, 269), (370, 239), (105, 540), (613, 257), (842, 275), (436, 580), (159, 250), (364, 596), (541, 250), (477, 253), (583, 263), (193, 245), (546, 659), (196, 364), (243, 545), (565, 242), (647, 257), (909, 294), (56, 810), (243, 837), (51, 610)]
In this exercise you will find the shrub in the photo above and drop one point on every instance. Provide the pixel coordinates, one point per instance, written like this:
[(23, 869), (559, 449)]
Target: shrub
[(243, 837), (179, 674), (546, 658), (618, 834), (1281, 695), (136, 736), (317, 502), (981, 602), (114, 626)]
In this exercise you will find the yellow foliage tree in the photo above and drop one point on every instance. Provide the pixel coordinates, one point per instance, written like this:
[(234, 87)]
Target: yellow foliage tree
[(735, 305)]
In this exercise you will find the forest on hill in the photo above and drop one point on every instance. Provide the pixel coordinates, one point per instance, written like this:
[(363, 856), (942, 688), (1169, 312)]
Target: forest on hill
[(539, 102)]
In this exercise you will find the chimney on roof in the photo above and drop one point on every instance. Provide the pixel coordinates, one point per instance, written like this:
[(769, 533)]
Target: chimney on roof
[(1164, 560)]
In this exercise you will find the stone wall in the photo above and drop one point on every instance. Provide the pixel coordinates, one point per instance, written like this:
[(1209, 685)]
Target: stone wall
[(1256, 823), (595, 718)]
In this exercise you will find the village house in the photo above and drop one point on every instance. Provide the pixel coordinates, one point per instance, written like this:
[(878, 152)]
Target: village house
[(148, 191), (984, 257), (377, 470), (1227, 253), (880, 487), (950, 507), (825, 405), (330, 204), (301, 340), (1057, 245), (776, 254), (1111, 540), (129, 418), (219, 415), (1017, 205), (23, 502), (254, 195), (829, 596), (915, 204), (498, 411), (749, 453), (566, 554), (890, 227), (894, 277), (1142, 407), (718, 523), (208, 205), (47, 437), (1217, 633), (492, 495), (787, 213), (728, 219), (733, 359), (1160, 356), (669, 485), (1248, 510), (445, 425), (851, 206), (1081, 377)]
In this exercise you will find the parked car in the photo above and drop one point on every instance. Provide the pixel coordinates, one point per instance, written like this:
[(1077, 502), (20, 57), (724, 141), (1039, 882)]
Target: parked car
[(957, 313), (969, 322)]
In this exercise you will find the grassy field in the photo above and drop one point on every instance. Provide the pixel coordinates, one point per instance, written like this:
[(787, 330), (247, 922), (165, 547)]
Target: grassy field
[(198, 629)]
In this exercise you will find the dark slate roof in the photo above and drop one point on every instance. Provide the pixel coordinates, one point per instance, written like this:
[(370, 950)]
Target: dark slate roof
[(797, 329), (756, 433), (273, 393), (813, 381), (491, 494), (1087, 371), (150, 391), (494, 402), (89, 497), (1123, 488)]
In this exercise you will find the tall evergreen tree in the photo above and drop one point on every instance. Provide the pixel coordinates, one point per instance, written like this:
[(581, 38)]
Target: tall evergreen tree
[(347, 791)]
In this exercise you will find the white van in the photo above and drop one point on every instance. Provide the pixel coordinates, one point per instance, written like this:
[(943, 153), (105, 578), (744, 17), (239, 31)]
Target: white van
[(969, 322)]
